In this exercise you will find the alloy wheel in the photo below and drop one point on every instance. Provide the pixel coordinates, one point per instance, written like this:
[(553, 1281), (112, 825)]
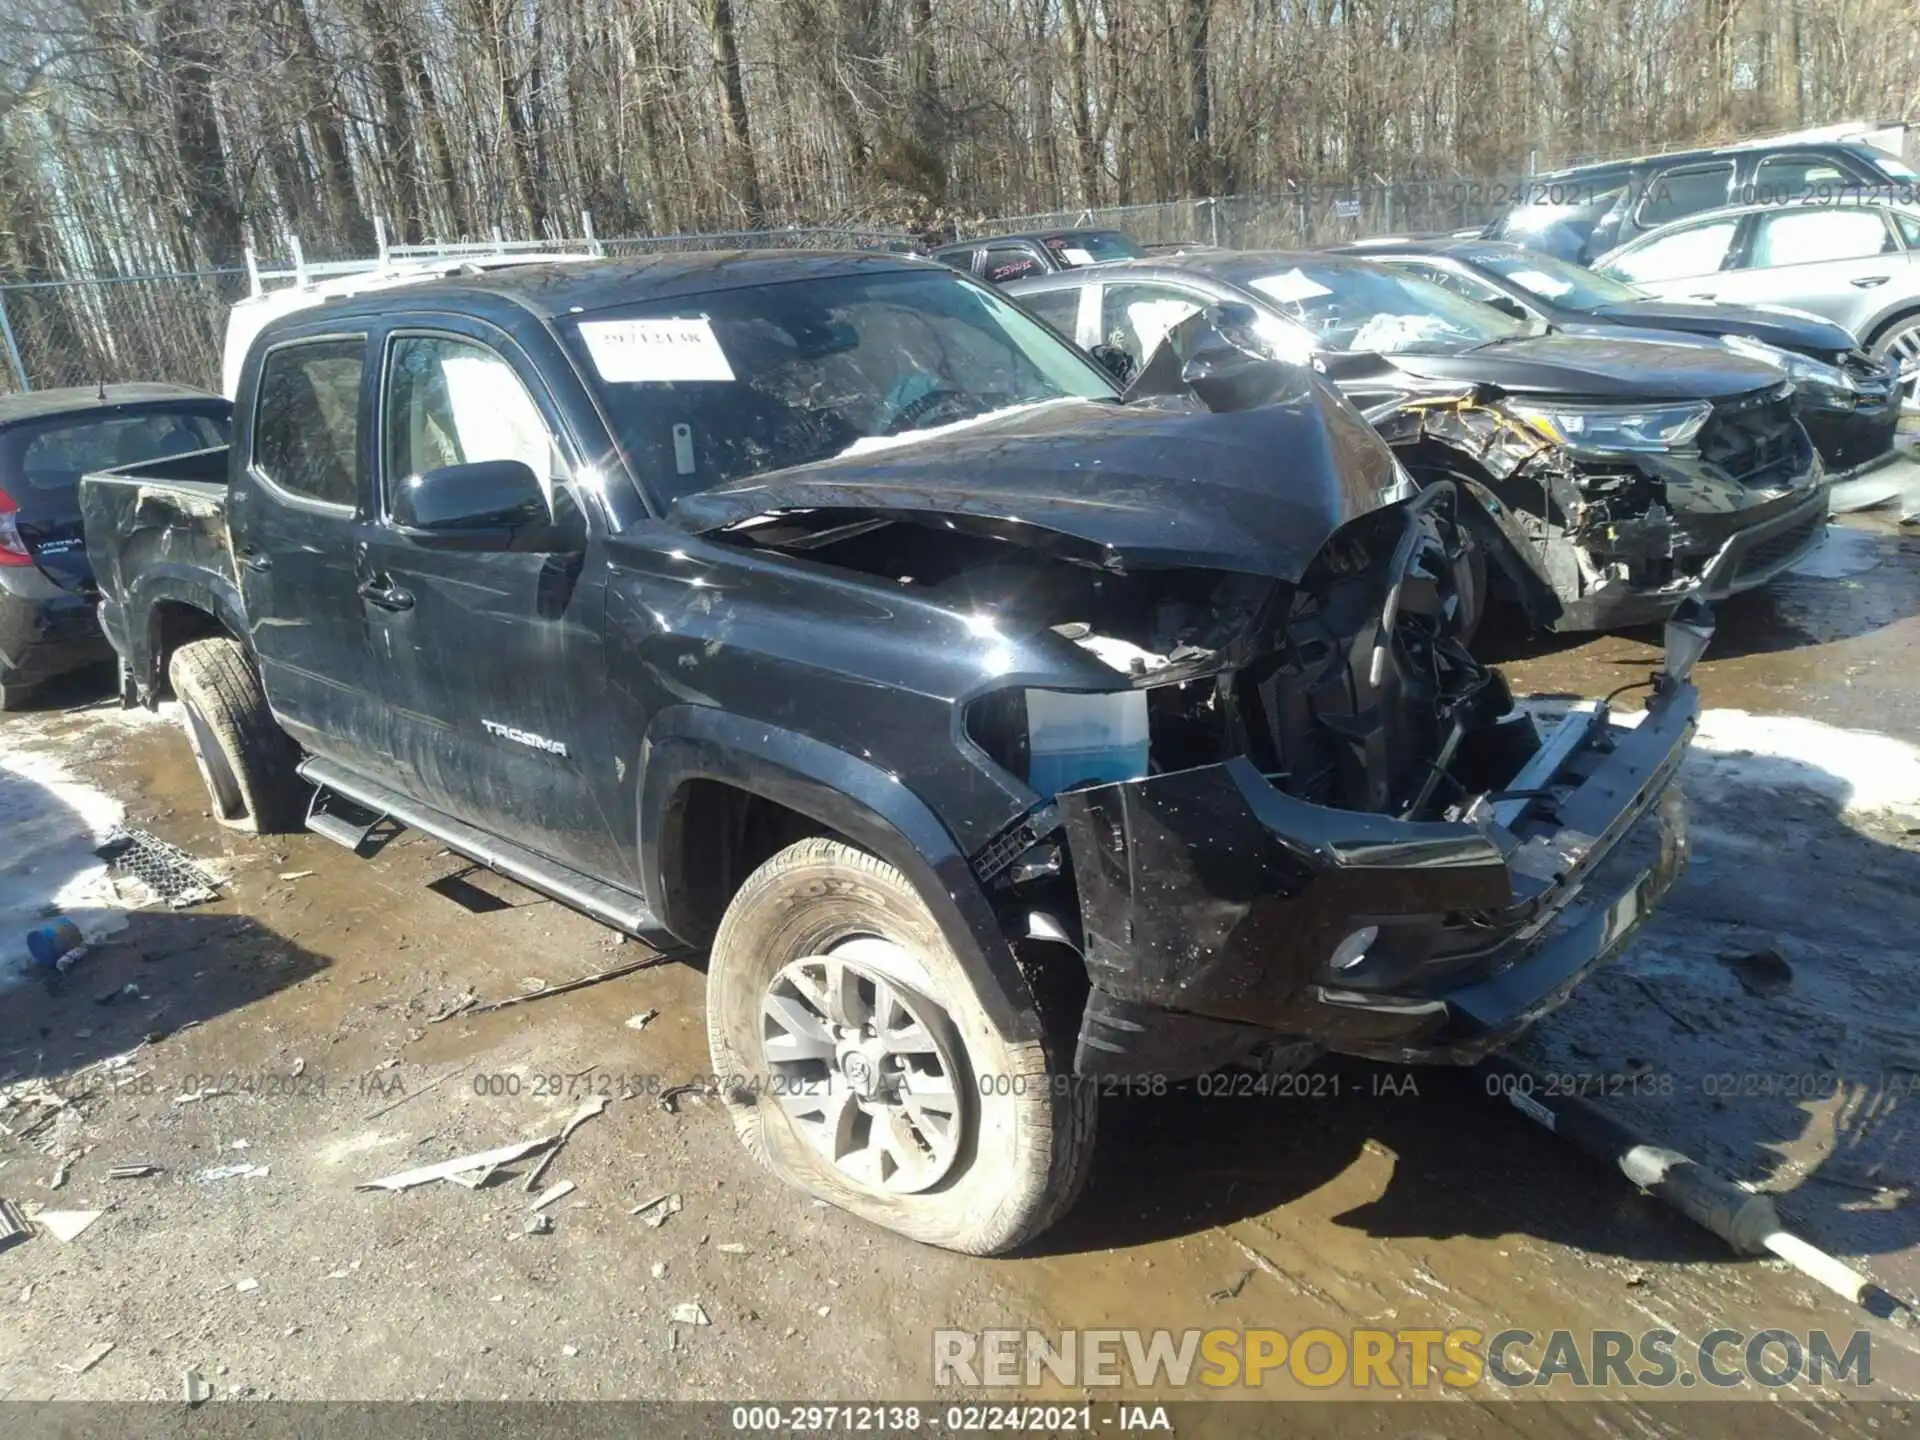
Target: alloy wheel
[(865, 1067)]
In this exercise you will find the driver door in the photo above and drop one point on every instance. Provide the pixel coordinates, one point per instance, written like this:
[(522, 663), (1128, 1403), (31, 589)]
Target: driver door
[(496, 663)]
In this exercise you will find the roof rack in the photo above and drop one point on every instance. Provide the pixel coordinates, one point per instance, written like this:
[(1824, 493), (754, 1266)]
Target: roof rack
[(301, 274)]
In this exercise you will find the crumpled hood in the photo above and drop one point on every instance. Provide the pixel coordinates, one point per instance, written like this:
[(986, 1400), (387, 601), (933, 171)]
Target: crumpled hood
[(1149, 484), (1808, 334), (1590, 367)]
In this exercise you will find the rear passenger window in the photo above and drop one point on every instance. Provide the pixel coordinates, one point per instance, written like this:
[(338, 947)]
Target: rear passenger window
[(1059, 308), (1781, 177), (1012, 262), (1683, 192), (306, 420)]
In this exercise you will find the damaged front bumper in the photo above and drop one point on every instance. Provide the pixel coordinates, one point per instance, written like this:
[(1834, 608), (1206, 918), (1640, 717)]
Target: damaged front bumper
[(1219, 913), (1639, 572)]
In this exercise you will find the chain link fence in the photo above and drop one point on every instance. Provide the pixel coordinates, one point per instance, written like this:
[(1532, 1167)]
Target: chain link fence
[(1299, 217), (56, 333)]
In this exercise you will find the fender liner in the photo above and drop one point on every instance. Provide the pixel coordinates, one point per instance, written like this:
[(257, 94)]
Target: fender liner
[(189, 585), (851, 796)]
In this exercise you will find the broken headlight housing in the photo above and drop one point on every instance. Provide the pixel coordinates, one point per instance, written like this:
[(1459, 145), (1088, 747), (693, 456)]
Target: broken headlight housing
[(1828, 384), (1600, 430)]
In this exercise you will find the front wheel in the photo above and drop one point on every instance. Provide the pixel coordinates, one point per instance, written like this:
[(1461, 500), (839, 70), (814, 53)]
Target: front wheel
[(1900, 348), (862, 1068)]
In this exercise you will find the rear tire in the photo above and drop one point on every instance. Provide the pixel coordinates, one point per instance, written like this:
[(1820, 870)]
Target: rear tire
[(247, 761), (854, 931)]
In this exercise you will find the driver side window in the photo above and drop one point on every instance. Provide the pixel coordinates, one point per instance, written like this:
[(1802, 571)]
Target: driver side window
[(455, 402)]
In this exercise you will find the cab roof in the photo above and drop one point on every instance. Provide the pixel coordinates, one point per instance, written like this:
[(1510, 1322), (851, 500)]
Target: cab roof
[(583, 286)]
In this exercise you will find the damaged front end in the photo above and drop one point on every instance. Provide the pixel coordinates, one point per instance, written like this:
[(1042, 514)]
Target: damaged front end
[(1623, 511), (1346, 837)]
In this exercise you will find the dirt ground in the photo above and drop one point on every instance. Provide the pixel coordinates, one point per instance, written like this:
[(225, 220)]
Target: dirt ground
[(1764, 1022)]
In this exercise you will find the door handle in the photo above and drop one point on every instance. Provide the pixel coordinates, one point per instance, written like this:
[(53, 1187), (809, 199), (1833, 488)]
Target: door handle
[(1867, 282), (257, 561), (1703, 295), (384, 593)]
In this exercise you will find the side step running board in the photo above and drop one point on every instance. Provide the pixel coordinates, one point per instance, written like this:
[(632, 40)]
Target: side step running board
[(343, 821), (609, 904)]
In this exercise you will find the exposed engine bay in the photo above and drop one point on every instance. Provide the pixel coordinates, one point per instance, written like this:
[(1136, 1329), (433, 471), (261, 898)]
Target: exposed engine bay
[(1350, 688)]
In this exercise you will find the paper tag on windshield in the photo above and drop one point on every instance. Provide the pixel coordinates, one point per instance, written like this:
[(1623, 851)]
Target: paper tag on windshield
[(1076, 256), (1290, 287), (1541, 283), (639, 352)]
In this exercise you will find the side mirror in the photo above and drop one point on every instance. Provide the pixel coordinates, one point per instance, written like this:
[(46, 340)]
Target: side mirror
[(1115, 361), (488, 505)]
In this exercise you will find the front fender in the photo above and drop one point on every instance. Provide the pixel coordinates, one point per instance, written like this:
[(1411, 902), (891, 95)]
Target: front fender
[(867, 805)]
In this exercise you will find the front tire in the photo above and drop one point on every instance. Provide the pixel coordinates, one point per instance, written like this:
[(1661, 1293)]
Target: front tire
[(247, 761), (1899, 346), (862, 1067)]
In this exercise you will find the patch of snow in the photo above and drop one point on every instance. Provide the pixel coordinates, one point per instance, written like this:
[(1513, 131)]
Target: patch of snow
[(1860, 771), (50, 824), (1846, 552)]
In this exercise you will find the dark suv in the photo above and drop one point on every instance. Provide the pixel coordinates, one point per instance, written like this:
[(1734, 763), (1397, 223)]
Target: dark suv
[(1587, 210)]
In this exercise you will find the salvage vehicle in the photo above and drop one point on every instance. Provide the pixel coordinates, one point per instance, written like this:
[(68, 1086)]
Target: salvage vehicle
[(997, 740), (1856, 264), (48, 438), (1586, 210), (1000, 258), (1848, 399), (1629, 473)]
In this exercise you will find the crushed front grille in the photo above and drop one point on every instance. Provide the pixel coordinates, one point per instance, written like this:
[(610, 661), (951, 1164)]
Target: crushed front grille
[(1754, 443)]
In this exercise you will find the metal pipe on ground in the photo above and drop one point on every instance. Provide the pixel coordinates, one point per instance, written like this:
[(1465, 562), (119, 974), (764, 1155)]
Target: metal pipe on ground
[(1744, 1218)]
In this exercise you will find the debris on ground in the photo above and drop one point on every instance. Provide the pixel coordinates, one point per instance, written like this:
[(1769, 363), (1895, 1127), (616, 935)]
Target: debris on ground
[(60, 1175), (565, 986), (541, 1224), (1763, 974), (92, 1358), (194, 1389), (295, 874), (246, 1286), (659, 1269), (243, 1169), (13, 1225), (484, 1161), (473, 1171), (1232, 1292), (463, 1001), (132, 1172), (690, 1314), (732, 1247), (174, 876), (642, 1020), (662, 1205), (194, 1097), (64, 1225), (670, 1097), (556, 1192)]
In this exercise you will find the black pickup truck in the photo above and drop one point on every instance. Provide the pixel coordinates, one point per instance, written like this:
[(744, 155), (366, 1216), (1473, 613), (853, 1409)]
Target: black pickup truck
[(999, 741)]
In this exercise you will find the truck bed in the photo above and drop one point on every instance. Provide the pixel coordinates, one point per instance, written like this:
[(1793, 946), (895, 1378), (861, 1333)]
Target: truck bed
[(170, 512), (157, 531)]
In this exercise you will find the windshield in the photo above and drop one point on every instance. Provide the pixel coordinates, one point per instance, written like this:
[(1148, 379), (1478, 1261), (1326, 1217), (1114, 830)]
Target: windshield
[(1364, 308), (739, 382), (1091, 247), (1573, 286), (1888, 164), (53, 454)]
